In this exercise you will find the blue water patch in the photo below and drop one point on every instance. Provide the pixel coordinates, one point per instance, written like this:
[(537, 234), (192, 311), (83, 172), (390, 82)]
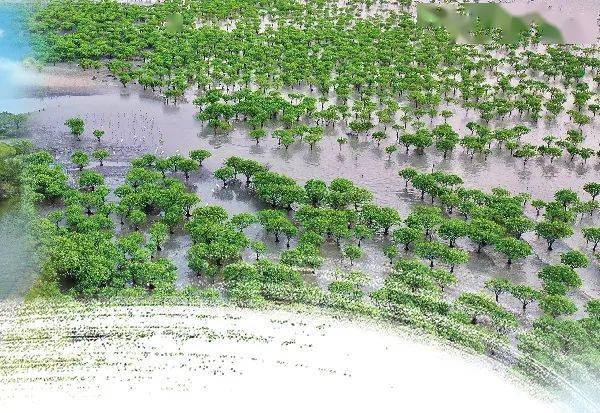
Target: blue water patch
[(14, 47)]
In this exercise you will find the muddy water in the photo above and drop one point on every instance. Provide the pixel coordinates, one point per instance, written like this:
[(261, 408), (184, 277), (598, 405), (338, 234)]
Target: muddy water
[(136, 122)]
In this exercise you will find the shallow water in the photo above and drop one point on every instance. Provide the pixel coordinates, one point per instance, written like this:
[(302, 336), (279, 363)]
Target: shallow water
[(136, 122), (17, 258)]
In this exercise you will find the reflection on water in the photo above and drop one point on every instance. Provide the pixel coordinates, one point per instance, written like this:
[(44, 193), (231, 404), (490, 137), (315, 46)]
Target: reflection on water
[(17, 261), (136, 122), (17, 258)]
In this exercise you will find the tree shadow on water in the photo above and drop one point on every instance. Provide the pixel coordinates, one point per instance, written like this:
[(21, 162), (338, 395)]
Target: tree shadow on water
[(224, 193)]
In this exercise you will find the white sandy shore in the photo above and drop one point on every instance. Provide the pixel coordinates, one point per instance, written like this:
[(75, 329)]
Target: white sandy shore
[(159, 357)]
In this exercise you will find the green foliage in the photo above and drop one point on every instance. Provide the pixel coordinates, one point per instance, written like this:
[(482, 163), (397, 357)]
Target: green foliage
[(430, 251), (225, 174), (244, 74), (86, 253), (100, 155), (454, 257), (592, 235), (513, 248), (593, 308), (574, 259), (41, 176), (426, 218), (525, 294), (258, 247), (97, 133), (159, 233), (553, 230), (379, 218), (316, 191), (560, 274), (303, 256), (484, 232), (76, 126), (498, 286), (278, 190), (347, 288), (593, 189), (557, 305), (258, 134), (478, 305), (391, 252), (199, 155), (274, 221), (353, 253), (10, 124), (216, 239), (80, 159), (567, 347), (452, 229), (407, 236), (13, 161)]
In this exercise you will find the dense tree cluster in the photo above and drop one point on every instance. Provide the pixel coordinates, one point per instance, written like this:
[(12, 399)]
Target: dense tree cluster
[(344, 214), (14, 159), (386, 71), (290, 70), (10, 124), (97, 242)]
